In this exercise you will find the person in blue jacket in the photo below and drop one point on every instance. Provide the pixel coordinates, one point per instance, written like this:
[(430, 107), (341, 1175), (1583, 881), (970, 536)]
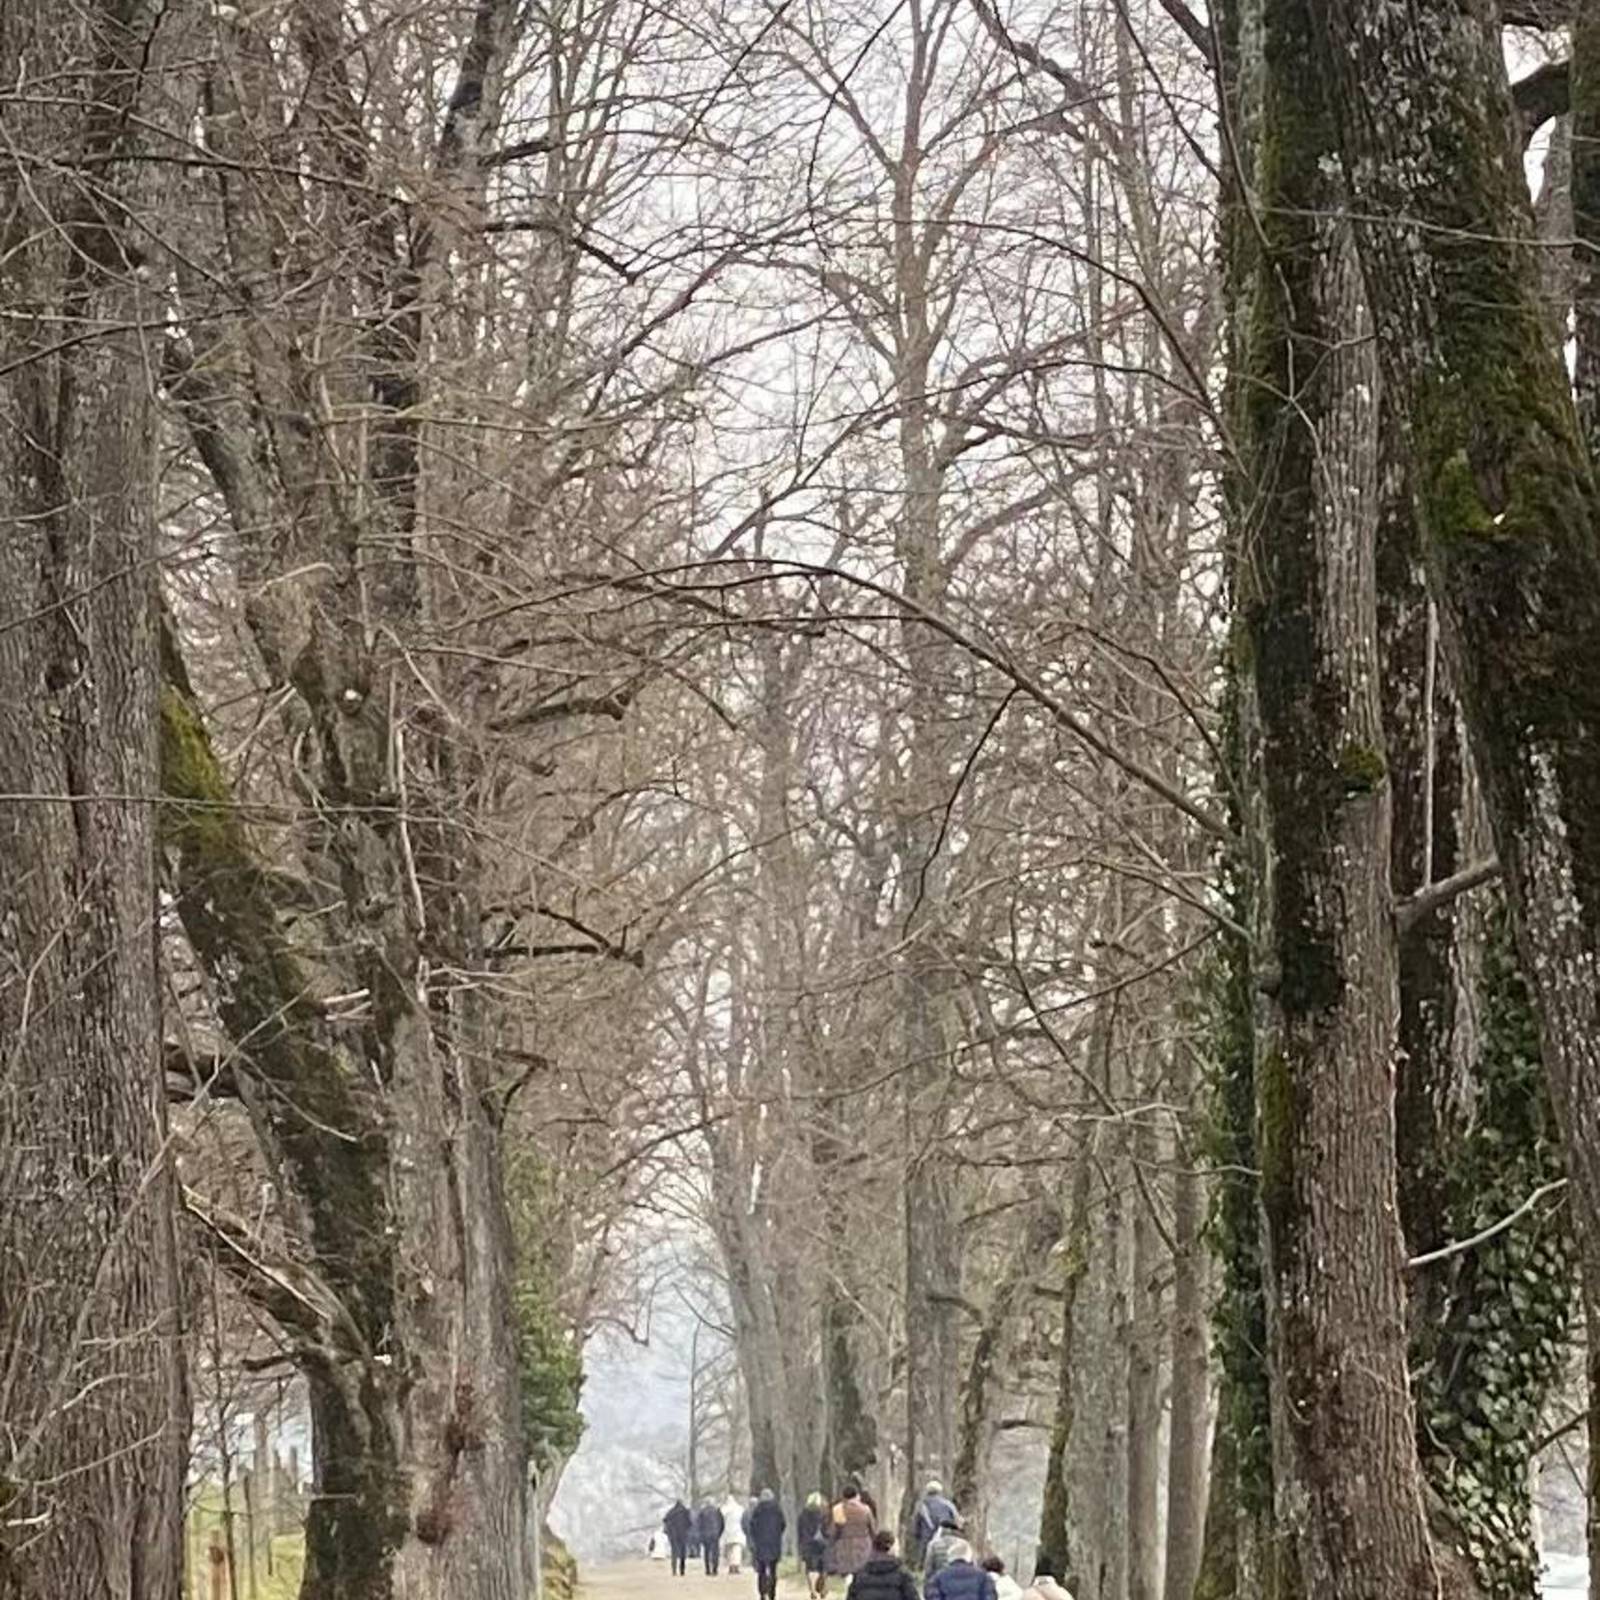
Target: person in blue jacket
[(960, 1578), (935, 1510)]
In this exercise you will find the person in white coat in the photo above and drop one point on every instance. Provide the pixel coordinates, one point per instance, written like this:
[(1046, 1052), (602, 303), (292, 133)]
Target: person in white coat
[(732, 1533), (1044, 1585), (1005, 1586)]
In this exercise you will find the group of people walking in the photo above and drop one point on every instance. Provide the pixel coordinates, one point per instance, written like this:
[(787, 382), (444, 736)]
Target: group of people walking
[(844, 1540), (724, 1533)]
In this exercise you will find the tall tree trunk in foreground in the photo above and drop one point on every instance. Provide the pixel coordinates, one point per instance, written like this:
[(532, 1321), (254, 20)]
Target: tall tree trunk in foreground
[(1348, 1479), (1504, 483), (374, 1122), (95, 1417)]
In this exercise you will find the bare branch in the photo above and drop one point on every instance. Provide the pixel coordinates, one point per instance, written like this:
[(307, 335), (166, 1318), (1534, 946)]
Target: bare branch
[(1432, 896), (1461, 1246)]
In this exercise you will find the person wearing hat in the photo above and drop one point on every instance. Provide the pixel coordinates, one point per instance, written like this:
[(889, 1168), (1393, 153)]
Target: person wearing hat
[(960, 1578), (937, 1554)]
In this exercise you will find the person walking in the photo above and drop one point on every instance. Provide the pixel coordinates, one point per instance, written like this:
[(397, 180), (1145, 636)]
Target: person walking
[(708, 1527), (677, 1525), (850, 1532), (767, 1523), (883, 1576), (959, 1579), (811, 1544), (937, 1555), (935, 1510), (1044, 1585), (733, 1534), (1005, 1586)]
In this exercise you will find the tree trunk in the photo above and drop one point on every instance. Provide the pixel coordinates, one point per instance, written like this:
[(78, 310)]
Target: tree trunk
[(1348, 1482), (395, 1294), (1148, 1330), (1504, 482), (1191, 1368), (95, 1434), (1429, 798), (390, 1164), (989, 1370), (1057, 1537)]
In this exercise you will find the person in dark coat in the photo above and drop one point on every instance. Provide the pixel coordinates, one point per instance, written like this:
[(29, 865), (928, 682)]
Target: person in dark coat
[(677, 1525), (811, 1544), (960, 1579), (884, 1577), (708, 1526), (767, 1523)]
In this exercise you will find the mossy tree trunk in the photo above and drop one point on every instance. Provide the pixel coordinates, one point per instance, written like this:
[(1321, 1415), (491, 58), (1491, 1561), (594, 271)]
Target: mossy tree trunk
[(1583, 273), (1487, 1326), (370, 1110), (1504, 482), (93, 1406), (1347, 1479), (1427, 782)]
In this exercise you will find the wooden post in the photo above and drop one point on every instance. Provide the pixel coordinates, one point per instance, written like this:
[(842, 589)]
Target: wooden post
[(218, 1556), (247, 1482), (262, 1498), (197, 1552)]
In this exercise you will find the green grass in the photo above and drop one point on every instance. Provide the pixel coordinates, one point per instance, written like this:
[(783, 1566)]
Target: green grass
[(287, 1555)]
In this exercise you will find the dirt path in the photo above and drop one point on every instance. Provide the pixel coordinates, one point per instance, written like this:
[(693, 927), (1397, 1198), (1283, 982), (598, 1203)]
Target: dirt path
[(652, 1580)]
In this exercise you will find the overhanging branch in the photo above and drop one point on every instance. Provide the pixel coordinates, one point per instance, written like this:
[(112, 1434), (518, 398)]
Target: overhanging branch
[(285, 1292)]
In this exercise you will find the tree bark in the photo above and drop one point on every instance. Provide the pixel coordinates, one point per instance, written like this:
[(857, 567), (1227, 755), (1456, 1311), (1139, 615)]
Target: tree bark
[(1148, 1329), (989, 1368), (1504, 484), (92, 1392), (390, 1172), (1191, 1367), (375, 1129), (1348, 1482), (1058, 1542)]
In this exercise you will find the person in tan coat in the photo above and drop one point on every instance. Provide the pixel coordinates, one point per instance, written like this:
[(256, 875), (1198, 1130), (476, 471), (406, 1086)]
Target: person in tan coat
[(850, 1530)]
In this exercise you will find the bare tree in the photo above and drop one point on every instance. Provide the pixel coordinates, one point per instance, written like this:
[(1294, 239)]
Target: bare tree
[(91, 1376)]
